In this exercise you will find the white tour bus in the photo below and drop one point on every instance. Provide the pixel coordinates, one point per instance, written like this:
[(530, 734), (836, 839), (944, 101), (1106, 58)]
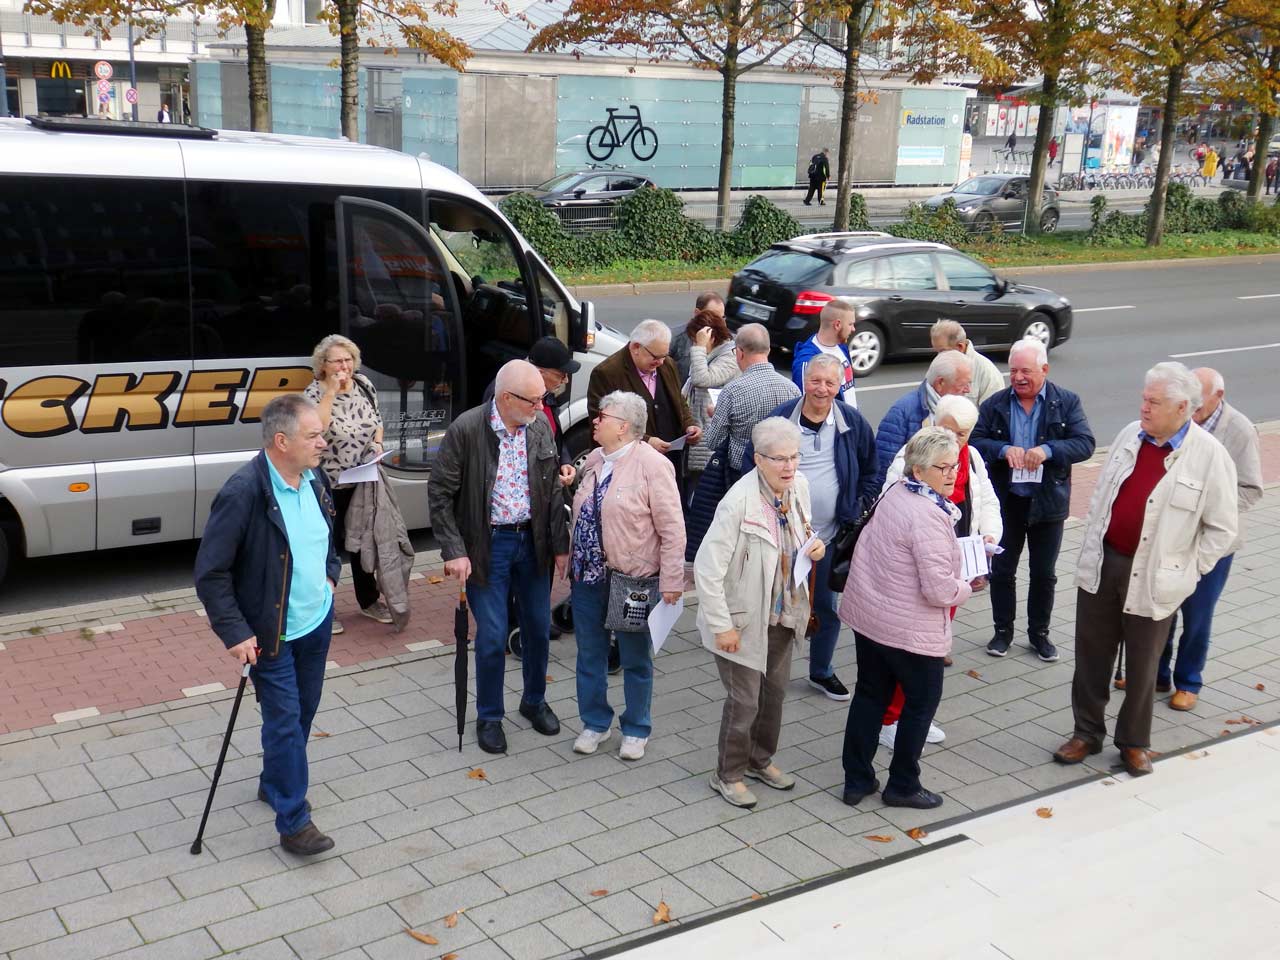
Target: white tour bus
[(159, 284)]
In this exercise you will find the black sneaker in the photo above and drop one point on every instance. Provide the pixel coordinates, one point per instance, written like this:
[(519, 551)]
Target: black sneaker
[(1044, 649), (999, 645), (922, 799), (854, 797), (615, 658), (832, 687)]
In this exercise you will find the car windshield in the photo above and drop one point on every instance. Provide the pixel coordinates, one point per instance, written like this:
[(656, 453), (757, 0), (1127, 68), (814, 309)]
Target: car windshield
[(555, 183), (789, 268), (982, 186)]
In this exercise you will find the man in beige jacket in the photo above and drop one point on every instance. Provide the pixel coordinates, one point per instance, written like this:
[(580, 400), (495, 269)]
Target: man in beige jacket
[(1162, 515), (987, 379)]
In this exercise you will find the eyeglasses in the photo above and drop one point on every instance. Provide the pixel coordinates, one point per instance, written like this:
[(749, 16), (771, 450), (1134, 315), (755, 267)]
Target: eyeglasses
[(793, 458), (948, 469), (339, 360), (612, 416), (658, 357), (532, 403)]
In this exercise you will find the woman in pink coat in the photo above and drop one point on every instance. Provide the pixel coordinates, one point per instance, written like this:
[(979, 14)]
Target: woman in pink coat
[(904, 578)]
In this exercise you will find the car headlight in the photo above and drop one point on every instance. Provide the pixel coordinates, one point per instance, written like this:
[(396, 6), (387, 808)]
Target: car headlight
[(1064, 301), (973, 205)]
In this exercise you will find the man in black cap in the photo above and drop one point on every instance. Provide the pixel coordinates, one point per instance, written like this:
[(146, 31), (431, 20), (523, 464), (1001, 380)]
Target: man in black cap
[(555, 362)]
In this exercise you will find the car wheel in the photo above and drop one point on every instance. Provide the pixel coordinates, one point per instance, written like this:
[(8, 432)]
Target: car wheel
[(983, 222), (1039, 326), (866, 349), (1049, 221)]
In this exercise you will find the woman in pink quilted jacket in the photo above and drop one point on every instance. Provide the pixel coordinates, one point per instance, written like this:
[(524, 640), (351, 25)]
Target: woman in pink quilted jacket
[(903, 580)]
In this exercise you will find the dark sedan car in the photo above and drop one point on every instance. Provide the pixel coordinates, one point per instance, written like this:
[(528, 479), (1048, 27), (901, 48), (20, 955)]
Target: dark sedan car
[(585, 199), (999, 198), (900, 289)]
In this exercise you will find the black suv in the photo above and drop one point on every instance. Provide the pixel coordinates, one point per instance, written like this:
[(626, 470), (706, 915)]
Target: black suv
[(899, 287)]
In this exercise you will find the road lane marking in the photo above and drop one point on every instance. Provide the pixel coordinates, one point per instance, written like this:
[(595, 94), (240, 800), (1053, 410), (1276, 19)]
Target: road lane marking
[(1209, 353), (1099, 309), (1260, 296)]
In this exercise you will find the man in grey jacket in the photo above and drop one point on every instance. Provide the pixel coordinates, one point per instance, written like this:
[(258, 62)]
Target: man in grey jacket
[(1234, 431), (497, 508)]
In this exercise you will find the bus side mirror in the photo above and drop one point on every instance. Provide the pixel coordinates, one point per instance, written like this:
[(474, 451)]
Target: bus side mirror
[(582, 326)]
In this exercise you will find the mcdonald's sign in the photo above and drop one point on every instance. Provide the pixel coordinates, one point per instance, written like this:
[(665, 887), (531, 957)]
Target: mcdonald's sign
[(60, 69)]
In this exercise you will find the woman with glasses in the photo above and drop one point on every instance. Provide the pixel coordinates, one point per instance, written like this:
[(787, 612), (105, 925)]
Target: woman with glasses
[(752, 605), (627, 520), (904, 576)]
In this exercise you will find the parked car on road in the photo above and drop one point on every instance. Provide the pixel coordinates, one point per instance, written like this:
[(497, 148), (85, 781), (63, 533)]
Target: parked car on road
[(585, 199), (998, 198), (899, 287)]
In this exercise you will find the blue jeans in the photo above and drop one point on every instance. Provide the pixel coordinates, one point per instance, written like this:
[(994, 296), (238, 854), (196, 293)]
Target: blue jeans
[(513, 568), (1197, 625), (822, 645), (590, 601), (288, 691)]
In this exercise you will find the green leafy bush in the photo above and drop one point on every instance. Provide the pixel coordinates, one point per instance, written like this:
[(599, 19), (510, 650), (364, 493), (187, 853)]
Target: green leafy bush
[(1233, 210), (937, 225), (1261, 218)]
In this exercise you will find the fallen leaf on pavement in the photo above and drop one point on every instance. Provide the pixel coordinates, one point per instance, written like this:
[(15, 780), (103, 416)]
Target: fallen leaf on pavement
[(1108, 783), (917, 833), (476, 774), (422, 937), (1225, 733), (1044, 813), (1196, 756), (599, 893), (449, 956), (973, 673), (1233, 722), (1260, 686), (550, 678), (879, 838), (435, 579), (662, 914), (319, 733), (757, 896), (451, 920)]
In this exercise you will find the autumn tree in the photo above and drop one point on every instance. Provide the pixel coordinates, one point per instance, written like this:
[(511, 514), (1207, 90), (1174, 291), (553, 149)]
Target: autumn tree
[(729, 37), (1251, 73)]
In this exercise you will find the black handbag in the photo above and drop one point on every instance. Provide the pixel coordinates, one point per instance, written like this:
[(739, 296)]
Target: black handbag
[(714, 483), (842, 545)]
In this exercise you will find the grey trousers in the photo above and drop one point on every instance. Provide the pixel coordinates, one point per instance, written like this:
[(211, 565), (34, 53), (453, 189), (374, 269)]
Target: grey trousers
[(1101, 624), (752, 716)]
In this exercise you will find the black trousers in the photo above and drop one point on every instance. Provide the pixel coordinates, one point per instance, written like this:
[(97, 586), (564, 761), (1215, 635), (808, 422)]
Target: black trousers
[(816, 185), (1043, 541), (366, 584)]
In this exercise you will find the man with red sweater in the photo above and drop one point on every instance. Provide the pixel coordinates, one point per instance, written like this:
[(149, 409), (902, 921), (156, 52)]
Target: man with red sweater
[(1162, 515)]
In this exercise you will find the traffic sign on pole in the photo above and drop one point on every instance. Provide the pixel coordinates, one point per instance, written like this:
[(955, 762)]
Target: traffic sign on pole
[(104, 98), (131, 95), (104, 86), (102, 70)]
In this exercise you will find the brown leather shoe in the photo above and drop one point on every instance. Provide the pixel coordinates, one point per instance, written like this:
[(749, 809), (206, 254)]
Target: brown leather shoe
[(1136, 760), (1163, 687), (1075, 750), (307, 842), (1183, 700)]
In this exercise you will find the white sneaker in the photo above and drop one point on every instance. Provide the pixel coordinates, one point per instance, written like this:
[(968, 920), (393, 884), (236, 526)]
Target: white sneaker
[(337, 627), (588, 740), (632, 748), (935, 734), (888, 734)]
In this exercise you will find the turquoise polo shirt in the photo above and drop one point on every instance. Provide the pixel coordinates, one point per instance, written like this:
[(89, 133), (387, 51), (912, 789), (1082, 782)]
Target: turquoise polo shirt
[(310, 595)]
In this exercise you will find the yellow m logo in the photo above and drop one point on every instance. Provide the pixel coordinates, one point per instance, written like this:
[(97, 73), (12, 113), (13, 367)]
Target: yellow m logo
[(60, 69)]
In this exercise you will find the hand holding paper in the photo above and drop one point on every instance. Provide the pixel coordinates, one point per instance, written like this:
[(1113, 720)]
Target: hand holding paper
[(661, 619), (973, 558), (365, 472)]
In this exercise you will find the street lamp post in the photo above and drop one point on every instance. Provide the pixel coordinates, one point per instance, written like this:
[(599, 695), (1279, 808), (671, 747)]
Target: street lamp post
[(4, 80), (133, 67)]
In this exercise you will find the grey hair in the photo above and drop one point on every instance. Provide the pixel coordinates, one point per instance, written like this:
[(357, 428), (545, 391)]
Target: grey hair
[(772, 433), (1033, 346), (649, 332), (753, 338), (948, 365), (925, 447), (281, 414), (1179, 383), (322, 350), (1217, 384), (960, 409), (629, 407), (826, 360), (949, 330)]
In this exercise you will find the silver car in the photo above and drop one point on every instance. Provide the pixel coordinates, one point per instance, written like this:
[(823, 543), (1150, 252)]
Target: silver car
[(1000, 198)]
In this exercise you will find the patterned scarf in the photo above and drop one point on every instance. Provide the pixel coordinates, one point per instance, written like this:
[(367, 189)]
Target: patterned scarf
[(945, 505)]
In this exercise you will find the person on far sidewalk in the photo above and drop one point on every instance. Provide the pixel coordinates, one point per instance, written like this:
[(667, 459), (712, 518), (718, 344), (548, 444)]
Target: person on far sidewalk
[(1233, 430), (819, 173), (265, 572), (1038, 429), (1162, 515)]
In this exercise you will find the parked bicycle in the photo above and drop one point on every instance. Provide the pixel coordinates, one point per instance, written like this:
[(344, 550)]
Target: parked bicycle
[(604, 139)]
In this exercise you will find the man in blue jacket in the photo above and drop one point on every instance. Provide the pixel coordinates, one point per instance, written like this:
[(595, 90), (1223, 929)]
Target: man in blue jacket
[(951, 372), (265, 572), (1038, 430), (838, 458), (835, 327)]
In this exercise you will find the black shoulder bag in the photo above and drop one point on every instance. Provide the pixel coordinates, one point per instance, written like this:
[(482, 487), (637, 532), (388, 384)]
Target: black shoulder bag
[(842, 545)]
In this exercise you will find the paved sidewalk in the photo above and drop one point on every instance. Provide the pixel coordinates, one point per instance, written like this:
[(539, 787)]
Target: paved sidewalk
[(546, 854)]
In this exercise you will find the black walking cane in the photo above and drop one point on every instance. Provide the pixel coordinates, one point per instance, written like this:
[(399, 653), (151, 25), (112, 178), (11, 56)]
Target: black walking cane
[(222, 756), (460, 626), (1119, 680)]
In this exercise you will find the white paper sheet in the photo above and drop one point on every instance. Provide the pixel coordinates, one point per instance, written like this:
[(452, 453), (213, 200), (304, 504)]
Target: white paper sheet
[(973, 558), (676, 444), (713, 395), (661, 619), (366, 472), (1028, 476), (800, 572)]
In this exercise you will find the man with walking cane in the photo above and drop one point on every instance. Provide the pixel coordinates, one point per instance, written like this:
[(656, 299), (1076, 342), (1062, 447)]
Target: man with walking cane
[(266, 572)]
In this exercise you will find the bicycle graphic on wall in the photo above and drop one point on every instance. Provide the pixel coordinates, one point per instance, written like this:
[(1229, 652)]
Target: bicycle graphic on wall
[(604, 139)]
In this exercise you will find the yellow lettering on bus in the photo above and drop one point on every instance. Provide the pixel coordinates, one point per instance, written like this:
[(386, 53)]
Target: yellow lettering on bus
[(118, 398), (268, 383), (207, 398), (42, 407)]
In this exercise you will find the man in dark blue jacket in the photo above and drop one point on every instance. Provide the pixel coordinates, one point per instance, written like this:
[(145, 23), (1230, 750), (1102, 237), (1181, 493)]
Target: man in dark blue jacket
[(951, 372), (838, 458), (1029, 435), (266, 572)]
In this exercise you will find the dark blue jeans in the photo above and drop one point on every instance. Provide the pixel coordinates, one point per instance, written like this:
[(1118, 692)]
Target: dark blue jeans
[(1197, 625), (590, 602), (288, 691), (822, 645), (880, 669), (1043, 541), (513, 568)]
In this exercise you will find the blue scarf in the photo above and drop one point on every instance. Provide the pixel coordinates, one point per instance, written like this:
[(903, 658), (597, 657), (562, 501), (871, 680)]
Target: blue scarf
[(945, 505)]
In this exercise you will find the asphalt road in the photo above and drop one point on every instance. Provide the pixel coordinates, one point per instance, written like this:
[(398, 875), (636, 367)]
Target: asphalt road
[(1126, 321)]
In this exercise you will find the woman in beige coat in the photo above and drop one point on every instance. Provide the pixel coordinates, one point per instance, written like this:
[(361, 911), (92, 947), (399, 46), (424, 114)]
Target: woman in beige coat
[(751, 609)]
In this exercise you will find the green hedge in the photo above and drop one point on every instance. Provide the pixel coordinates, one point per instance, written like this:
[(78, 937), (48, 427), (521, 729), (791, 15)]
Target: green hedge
[(1183, 213)]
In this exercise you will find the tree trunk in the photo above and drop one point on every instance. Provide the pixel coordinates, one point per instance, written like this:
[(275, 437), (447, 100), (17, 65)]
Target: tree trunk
[(349, 39), (1155, 216), (1258, 175), (848, 115), (728, 110), (259, 94), (1040, 153)]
